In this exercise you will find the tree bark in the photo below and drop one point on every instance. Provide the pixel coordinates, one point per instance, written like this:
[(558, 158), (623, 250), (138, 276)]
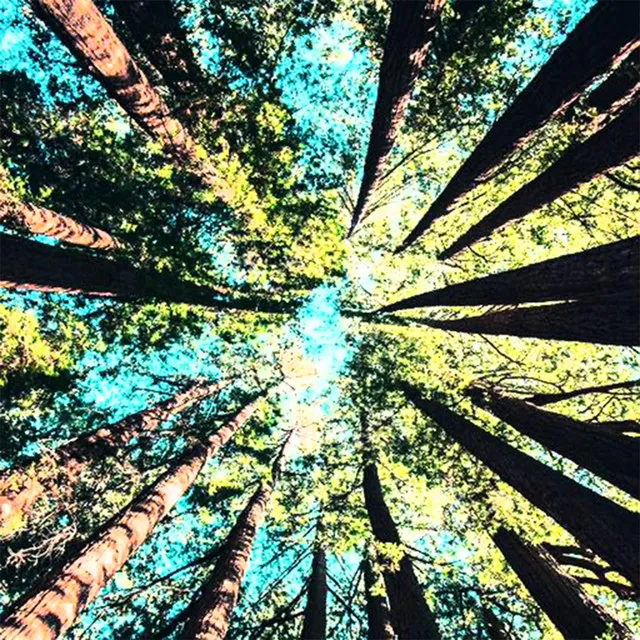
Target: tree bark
[(27, 264), (612, 320), (541, 399), (378, 616), (21, 487), (602, 39), (607, 269), (49, 223), (409, 35), (612, 456), (50, 610), (560, 596), (314, 626), (613, 145), (597, 523)]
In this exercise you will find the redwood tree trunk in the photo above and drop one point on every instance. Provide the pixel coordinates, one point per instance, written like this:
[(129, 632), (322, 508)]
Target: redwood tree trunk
[(612, 456), (603, 38), (597, 523), (314, 626), (607, 269), (378, 616), (410, 32), (560, 596), (613, 145), (549, 398), (51, 609)]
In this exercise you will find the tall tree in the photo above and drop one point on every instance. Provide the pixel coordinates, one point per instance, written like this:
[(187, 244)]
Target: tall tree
[(314, 626), (27, 264), (610, 455), (51, 608), (613, 145), (560, 596), (598, 523), (21, 487), (378, 615), (603, 270), (602, 39), (409, 35), (541, 399)]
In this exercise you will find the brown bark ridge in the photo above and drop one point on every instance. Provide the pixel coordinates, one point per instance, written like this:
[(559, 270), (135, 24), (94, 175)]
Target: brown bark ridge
[(50, 610), (493, 624), (569, 607), (613, 320), (599, 524), (610, 455), (409, 35), (378, 616), (602, 39), (20, 488), (27, 264), (46, 222), (314, 626), (549, 398), (599, 271), (611, 146)]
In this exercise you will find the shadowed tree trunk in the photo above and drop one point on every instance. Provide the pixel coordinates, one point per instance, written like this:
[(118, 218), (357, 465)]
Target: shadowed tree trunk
[(51, 609), (495, 628), (410, 32), (21, 487), (49, 223), (314, 626), (27, 264), (607, 269), (549, 398), (599, 524), (560, 596), (602, 39), (610, 455), (613, 145), (378, 616)]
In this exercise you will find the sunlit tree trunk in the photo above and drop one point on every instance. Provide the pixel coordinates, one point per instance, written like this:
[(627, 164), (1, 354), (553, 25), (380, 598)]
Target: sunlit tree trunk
[(541, 399), (560, 596), (51, 608), (602, 39), (613, 145), (314, 626), (409, 35), (20, 488), (378, 616), (596, 522), (604, 270)]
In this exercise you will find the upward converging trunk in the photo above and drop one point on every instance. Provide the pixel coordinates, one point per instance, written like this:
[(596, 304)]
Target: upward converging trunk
[(610, 455), (560, 596), (409, 35), (598, 523), (50, 609), (378, 616), (20, 488), (604, 37), (27, 264), (549, 398), (607, 269), (613, 145), (314, 626)]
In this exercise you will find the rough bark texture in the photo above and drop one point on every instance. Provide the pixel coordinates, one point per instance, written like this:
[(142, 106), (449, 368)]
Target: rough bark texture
[(27, 264), (610, 455), (613, 145), (314, 626), (49, 223), (611, 268), (599, 524), (549, 398), (495, 628), (560, 596), (602, 39), (410, 32), (608, 321), (50, 610), (378, 616)]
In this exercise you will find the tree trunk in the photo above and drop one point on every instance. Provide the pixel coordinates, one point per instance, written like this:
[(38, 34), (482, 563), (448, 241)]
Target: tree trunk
[(599, 524), (495, 628), (27, 264), (602, 39), (613, 145), (610, 455), (607, 269), (409, 35), (49, 223), (541, 399), (606, 321), (560, 596), (378, 616), (51, 609), (314, 626), (21, 487)]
